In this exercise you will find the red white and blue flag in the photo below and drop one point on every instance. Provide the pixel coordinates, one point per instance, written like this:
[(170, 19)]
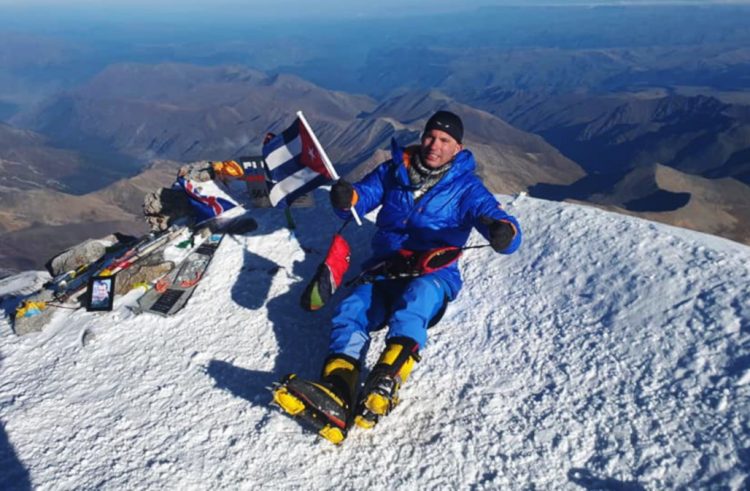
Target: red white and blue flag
[(207, 199), (294, 166)]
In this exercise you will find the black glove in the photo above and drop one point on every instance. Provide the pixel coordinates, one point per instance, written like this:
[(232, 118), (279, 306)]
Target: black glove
[(342, 195), (502, 233)]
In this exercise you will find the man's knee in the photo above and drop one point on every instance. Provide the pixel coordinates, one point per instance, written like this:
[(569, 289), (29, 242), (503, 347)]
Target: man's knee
[(426, 294), (353, 308), (439, 314)]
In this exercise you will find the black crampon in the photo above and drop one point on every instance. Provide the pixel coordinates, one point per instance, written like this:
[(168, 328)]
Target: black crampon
[(313, 404)]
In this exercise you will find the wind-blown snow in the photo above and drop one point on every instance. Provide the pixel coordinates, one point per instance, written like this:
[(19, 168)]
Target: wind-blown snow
[(607, 353)]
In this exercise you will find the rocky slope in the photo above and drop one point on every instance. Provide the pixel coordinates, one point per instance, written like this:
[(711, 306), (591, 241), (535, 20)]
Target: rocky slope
[(36, 224)]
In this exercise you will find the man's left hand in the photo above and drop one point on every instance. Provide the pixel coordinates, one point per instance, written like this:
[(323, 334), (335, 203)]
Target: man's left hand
[(501, 233)]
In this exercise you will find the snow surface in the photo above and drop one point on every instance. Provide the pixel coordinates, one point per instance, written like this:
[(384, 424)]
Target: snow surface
[(607, 353)]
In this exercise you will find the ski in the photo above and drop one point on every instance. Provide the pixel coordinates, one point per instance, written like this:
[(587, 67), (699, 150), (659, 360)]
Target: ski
[(172, 292), (70, 286), (65, 291)]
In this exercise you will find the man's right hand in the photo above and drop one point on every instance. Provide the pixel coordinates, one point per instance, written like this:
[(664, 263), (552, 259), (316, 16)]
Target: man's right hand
[(342, 195)]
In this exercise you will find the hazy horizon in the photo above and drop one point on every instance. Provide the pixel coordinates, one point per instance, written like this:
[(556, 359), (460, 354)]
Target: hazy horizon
[(338, 44), (298, 9)]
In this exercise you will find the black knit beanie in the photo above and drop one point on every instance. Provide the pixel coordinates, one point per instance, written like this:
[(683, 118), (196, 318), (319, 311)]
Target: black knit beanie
[(448, 122)]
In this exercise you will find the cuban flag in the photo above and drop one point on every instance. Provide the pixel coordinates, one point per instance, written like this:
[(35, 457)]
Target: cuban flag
[(294, 165), (207, 199)]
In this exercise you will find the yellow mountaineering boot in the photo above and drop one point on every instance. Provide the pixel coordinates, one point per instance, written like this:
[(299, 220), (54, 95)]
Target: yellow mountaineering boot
[(325, 404), (380, 394)]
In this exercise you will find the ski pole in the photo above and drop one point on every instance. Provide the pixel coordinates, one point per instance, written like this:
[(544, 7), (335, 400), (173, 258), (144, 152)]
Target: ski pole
[(341, 229), (424, 264)]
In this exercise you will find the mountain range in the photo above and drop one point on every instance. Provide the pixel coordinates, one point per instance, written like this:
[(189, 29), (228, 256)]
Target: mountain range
[(681, 159), (674, 158), (125, 118), (640, 109)]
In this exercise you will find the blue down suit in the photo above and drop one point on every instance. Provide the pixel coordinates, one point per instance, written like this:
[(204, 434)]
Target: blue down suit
[(444, 216)]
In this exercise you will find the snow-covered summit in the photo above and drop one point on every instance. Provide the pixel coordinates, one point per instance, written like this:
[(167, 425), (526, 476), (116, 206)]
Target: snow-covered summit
[(607, 353)]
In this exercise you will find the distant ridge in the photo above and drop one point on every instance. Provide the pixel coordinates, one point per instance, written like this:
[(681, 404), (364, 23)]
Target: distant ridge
[(132, 114)]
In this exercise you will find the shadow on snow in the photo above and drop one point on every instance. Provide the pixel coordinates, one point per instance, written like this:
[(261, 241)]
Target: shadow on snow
[(301, 336), (13, 475), (587, 480)]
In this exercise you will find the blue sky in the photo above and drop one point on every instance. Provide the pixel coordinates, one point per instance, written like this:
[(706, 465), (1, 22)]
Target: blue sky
[(256, 8), (350, 7), (278, 6), (188, 10)]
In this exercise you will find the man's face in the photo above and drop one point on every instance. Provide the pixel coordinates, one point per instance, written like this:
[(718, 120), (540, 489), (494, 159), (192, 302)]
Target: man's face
[(438, 148)]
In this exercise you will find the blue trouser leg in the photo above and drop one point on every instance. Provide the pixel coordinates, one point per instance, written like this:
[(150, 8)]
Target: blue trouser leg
[(411, 305), (356, 316), (415, 307)]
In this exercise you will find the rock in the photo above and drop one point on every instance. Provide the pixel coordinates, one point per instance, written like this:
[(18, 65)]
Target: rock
[(38, 319), (200, 171), (79, 255), (86, 252), (163, 207)]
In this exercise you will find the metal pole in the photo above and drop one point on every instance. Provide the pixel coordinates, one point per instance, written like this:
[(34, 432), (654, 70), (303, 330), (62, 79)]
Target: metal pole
[(289, 220)]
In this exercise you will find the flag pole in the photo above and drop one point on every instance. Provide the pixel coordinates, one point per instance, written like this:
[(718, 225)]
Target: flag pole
[(326, 160)]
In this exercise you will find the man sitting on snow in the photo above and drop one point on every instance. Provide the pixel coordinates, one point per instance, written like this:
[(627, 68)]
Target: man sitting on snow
[(430, 199)]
